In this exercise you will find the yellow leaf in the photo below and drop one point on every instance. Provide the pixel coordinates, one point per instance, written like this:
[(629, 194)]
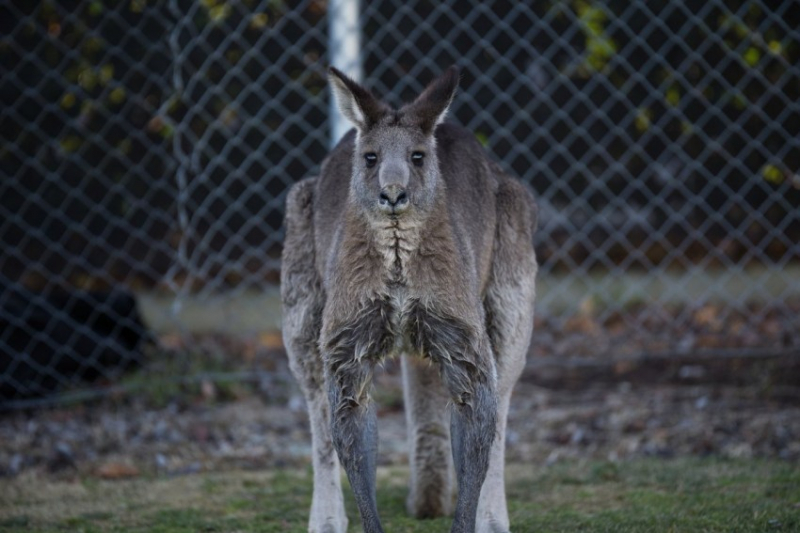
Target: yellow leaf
[(117, 95), (106, 73), (87, 79), (643, 116), (772, 174), (673, 96), (219, 13), (482, 138), (259, 20), (752, 56), (70, 143), (68, 100)]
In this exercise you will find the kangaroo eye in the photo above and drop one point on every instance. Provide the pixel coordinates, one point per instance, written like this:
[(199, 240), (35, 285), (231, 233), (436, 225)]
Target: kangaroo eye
[(417, 158), (371, 158)]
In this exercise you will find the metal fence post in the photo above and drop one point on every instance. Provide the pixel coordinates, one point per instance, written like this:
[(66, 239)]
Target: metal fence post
[(344, 36)]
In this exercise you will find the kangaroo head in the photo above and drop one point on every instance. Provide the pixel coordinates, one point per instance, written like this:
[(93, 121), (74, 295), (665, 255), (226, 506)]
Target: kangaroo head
[(395, 167)]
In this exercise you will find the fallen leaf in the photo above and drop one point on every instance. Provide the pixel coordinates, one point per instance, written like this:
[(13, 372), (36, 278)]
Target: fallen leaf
[(708, 317), (117, 471), (272, 340), (581, 324)]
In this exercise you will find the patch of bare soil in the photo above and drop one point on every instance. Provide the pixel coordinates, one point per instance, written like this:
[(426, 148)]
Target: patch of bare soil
[(684, 330), (548, 421), (700, 398)]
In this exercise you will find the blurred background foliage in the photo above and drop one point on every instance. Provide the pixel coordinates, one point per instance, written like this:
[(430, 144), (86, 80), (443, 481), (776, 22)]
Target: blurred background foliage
[(660, 133)]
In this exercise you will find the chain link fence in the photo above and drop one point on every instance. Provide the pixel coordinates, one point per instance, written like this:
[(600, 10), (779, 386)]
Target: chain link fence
[(147, 148)]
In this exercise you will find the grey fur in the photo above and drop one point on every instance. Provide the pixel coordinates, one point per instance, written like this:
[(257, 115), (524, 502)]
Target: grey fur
[(427, 255)]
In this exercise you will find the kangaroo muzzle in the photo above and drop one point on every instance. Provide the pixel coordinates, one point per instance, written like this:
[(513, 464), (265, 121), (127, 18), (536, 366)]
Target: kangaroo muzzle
[(393, 199)]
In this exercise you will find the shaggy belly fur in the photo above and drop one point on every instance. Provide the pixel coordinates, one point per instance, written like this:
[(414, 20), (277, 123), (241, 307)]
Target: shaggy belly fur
[(397, 241)]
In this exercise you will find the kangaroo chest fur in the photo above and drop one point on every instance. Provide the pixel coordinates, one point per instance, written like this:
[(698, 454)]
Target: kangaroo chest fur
[(396, 241), (392, 280)]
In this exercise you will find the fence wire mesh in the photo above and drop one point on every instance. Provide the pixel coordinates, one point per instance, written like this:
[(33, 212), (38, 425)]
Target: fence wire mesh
[(147, 148)]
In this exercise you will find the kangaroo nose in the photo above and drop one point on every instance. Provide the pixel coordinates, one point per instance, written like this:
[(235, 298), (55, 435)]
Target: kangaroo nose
[(394, 196)]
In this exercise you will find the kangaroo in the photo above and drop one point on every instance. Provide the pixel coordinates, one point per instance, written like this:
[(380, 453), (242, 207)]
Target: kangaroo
[(410, 242)]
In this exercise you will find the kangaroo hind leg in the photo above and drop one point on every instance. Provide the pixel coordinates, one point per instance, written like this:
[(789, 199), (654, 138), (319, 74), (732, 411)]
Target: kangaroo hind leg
[(352, 347), (462, 353), (508, 304), (303, 301), (430, 458)]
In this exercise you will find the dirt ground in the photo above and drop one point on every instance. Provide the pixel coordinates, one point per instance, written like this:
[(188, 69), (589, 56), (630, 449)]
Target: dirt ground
[(745, 407), (699, 398)]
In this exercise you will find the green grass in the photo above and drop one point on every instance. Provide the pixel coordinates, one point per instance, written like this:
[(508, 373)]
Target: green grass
[(651, 495)]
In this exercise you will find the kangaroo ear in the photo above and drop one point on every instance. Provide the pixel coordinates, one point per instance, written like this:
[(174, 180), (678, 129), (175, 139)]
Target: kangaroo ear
[(355, 102), (430, 107)]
